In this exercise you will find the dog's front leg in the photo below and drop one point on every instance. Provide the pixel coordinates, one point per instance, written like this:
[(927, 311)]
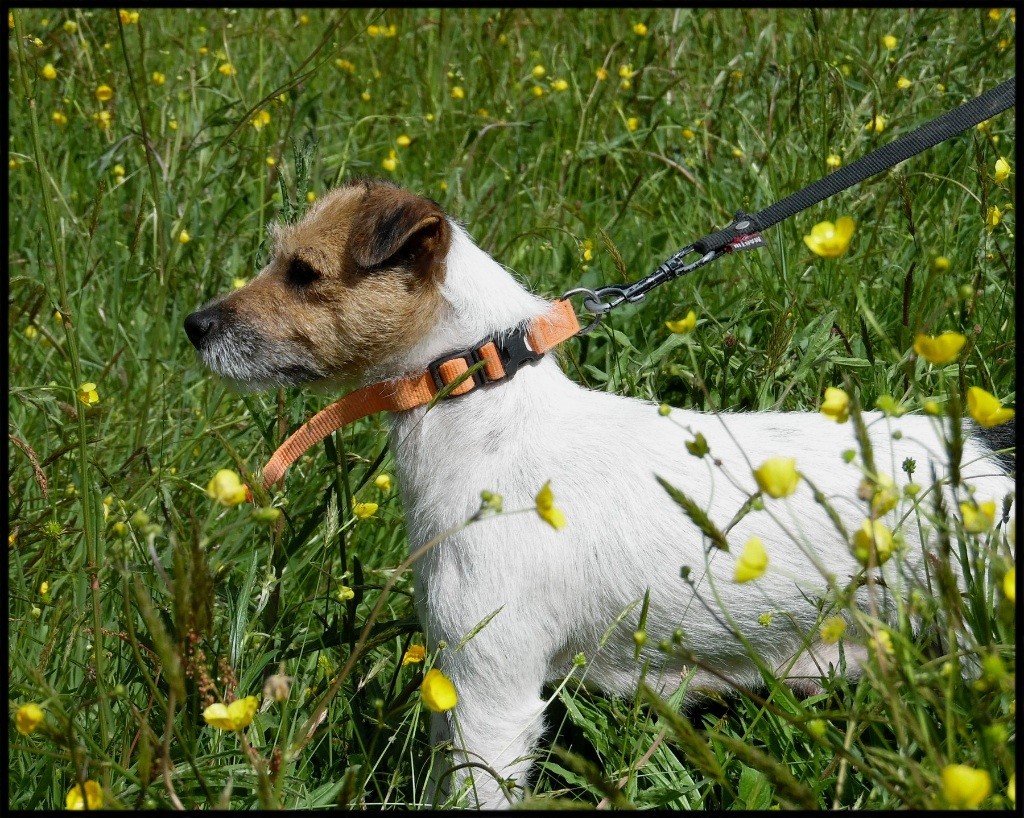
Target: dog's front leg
[(493, 732)]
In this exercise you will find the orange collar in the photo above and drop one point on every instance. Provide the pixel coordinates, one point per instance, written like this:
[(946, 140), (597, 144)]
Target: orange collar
[(501, 355)]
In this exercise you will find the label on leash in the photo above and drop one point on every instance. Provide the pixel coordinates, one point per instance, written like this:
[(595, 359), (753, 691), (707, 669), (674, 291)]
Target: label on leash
[(748, 241)]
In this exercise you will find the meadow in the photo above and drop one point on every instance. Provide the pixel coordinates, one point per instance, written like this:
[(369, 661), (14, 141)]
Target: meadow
[(148, 151)]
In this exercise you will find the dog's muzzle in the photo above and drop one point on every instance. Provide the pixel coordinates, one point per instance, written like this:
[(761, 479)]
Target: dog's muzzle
[(201, 324)]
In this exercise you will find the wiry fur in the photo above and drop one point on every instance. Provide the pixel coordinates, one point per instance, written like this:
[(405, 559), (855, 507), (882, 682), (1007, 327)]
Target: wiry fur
[(556, 593)]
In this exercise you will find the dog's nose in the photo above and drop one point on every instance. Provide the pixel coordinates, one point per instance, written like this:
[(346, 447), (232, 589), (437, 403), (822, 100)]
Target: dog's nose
[(199, 324)]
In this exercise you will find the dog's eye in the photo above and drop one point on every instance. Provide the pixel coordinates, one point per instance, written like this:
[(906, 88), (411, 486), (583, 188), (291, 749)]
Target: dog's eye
[(301, 274)]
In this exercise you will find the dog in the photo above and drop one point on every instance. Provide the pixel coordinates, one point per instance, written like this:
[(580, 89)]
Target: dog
[(375, 283)]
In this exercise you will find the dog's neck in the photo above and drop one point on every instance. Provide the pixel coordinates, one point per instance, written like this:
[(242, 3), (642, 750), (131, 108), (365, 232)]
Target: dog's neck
[(479, 298)]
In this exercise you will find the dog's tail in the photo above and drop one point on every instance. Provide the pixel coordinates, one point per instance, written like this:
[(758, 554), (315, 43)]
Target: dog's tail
[(1001, 440)]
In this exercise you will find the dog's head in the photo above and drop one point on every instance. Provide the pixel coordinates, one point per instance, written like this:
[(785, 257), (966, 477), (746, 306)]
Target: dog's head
[(354, 283)]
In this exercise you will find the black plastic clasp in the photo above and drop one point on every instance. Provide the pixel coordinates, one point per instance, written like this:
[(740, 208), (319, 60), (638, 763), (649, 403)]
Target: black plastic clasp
[(514, 351), (470, 356)]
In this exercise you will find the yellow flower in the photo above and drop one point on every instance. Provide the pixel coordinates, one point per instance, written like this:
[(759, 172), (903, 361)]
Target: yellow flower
[(173, 124), (438, 692), (48, 72), (59, 118), (239, 282), (184, 237), (235, 716), (365, 96), (364, 510), (157, 78), (91, 798), (993, 217), (31, 332), (310, 196), (889, 406), (383, 482), (965, 787), (538, 91), (226, 488), (903, 83), (70, 26), (632, 123), (546, 507), (601, 73), (403, 141), (881, 643), (560, 85), (128, 17), (626, 85), (932, 408), (539, 71), (688, 133), (883, 495), (683, 325), (391, 162), (831, 240), (737, 153), (87, 394), (262, 118), (588, 250), (345, 65), (940, 350), (777, 476), (876, 124), (28, 718), (940, 264), (836, 404), (345, 593), (458, 93), (986, 408), (978, 517), (1010, 584), (1002, 170), (890, 42), (873, 537), (118, 170), (625, 71), (414, 655), (373, 31), (752, 562), (44, 587), (303, 19), (203, 51), (227, 69), (994, 15), (639, 29), (833, 161), (832, 629), (104, 92)]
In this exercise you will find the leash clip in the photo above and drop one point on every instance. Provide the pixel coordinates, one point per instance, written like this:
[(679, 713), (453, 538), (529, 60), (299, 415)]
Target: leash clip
[(603, 300)]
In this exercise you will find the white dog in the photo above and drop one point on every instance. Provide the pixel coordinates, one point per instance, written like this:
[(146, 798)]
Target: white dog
[(375, 283)]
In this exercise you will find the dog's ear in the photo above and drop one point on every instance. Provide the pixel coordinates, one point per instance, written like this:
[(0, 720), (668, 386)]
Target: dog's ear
[(396, 228)]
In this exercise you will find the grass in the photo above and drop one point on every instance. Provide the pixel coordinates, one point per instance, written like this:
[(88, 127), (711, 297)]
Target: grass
[(158, 601)]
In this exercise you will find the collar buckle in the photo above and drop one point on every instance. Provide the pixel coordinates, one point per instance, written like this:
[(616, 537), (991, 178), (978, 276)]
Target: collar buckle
[(513, 351)]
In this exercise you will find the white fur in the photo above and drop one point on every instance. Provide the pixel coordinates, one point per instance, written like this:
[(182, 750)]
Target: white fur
[(559, 591)]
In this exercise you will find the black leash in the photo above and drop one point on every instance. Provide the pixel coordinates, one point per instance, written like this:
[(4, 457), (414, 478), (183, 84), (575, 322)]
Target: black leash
[(744, 232)]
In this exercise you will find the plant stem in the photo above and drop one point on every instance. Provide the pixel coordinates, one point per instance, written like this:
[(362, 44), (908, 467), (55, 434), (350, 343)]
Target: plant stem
[(88, 495)]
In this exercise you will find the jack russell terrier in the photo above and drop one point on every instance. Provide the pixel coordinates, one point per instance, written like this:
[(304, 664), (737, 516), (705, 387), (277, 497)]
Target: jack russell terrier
[(374, 285)]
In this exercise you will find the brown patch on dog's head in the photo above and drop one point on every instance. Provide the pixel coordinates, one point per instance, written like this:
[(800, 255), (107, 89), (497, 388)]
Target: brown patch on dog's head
[(352, 284)]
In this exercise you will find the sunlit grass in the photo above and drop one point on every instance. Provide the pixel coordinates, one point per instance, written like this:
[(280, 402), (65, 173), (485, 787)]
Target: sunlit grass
[(146, 156)]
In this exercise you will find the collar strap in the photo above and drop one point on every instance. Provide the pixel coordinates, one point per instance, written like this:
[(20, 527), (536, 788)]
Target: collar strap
[(501, 355)]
